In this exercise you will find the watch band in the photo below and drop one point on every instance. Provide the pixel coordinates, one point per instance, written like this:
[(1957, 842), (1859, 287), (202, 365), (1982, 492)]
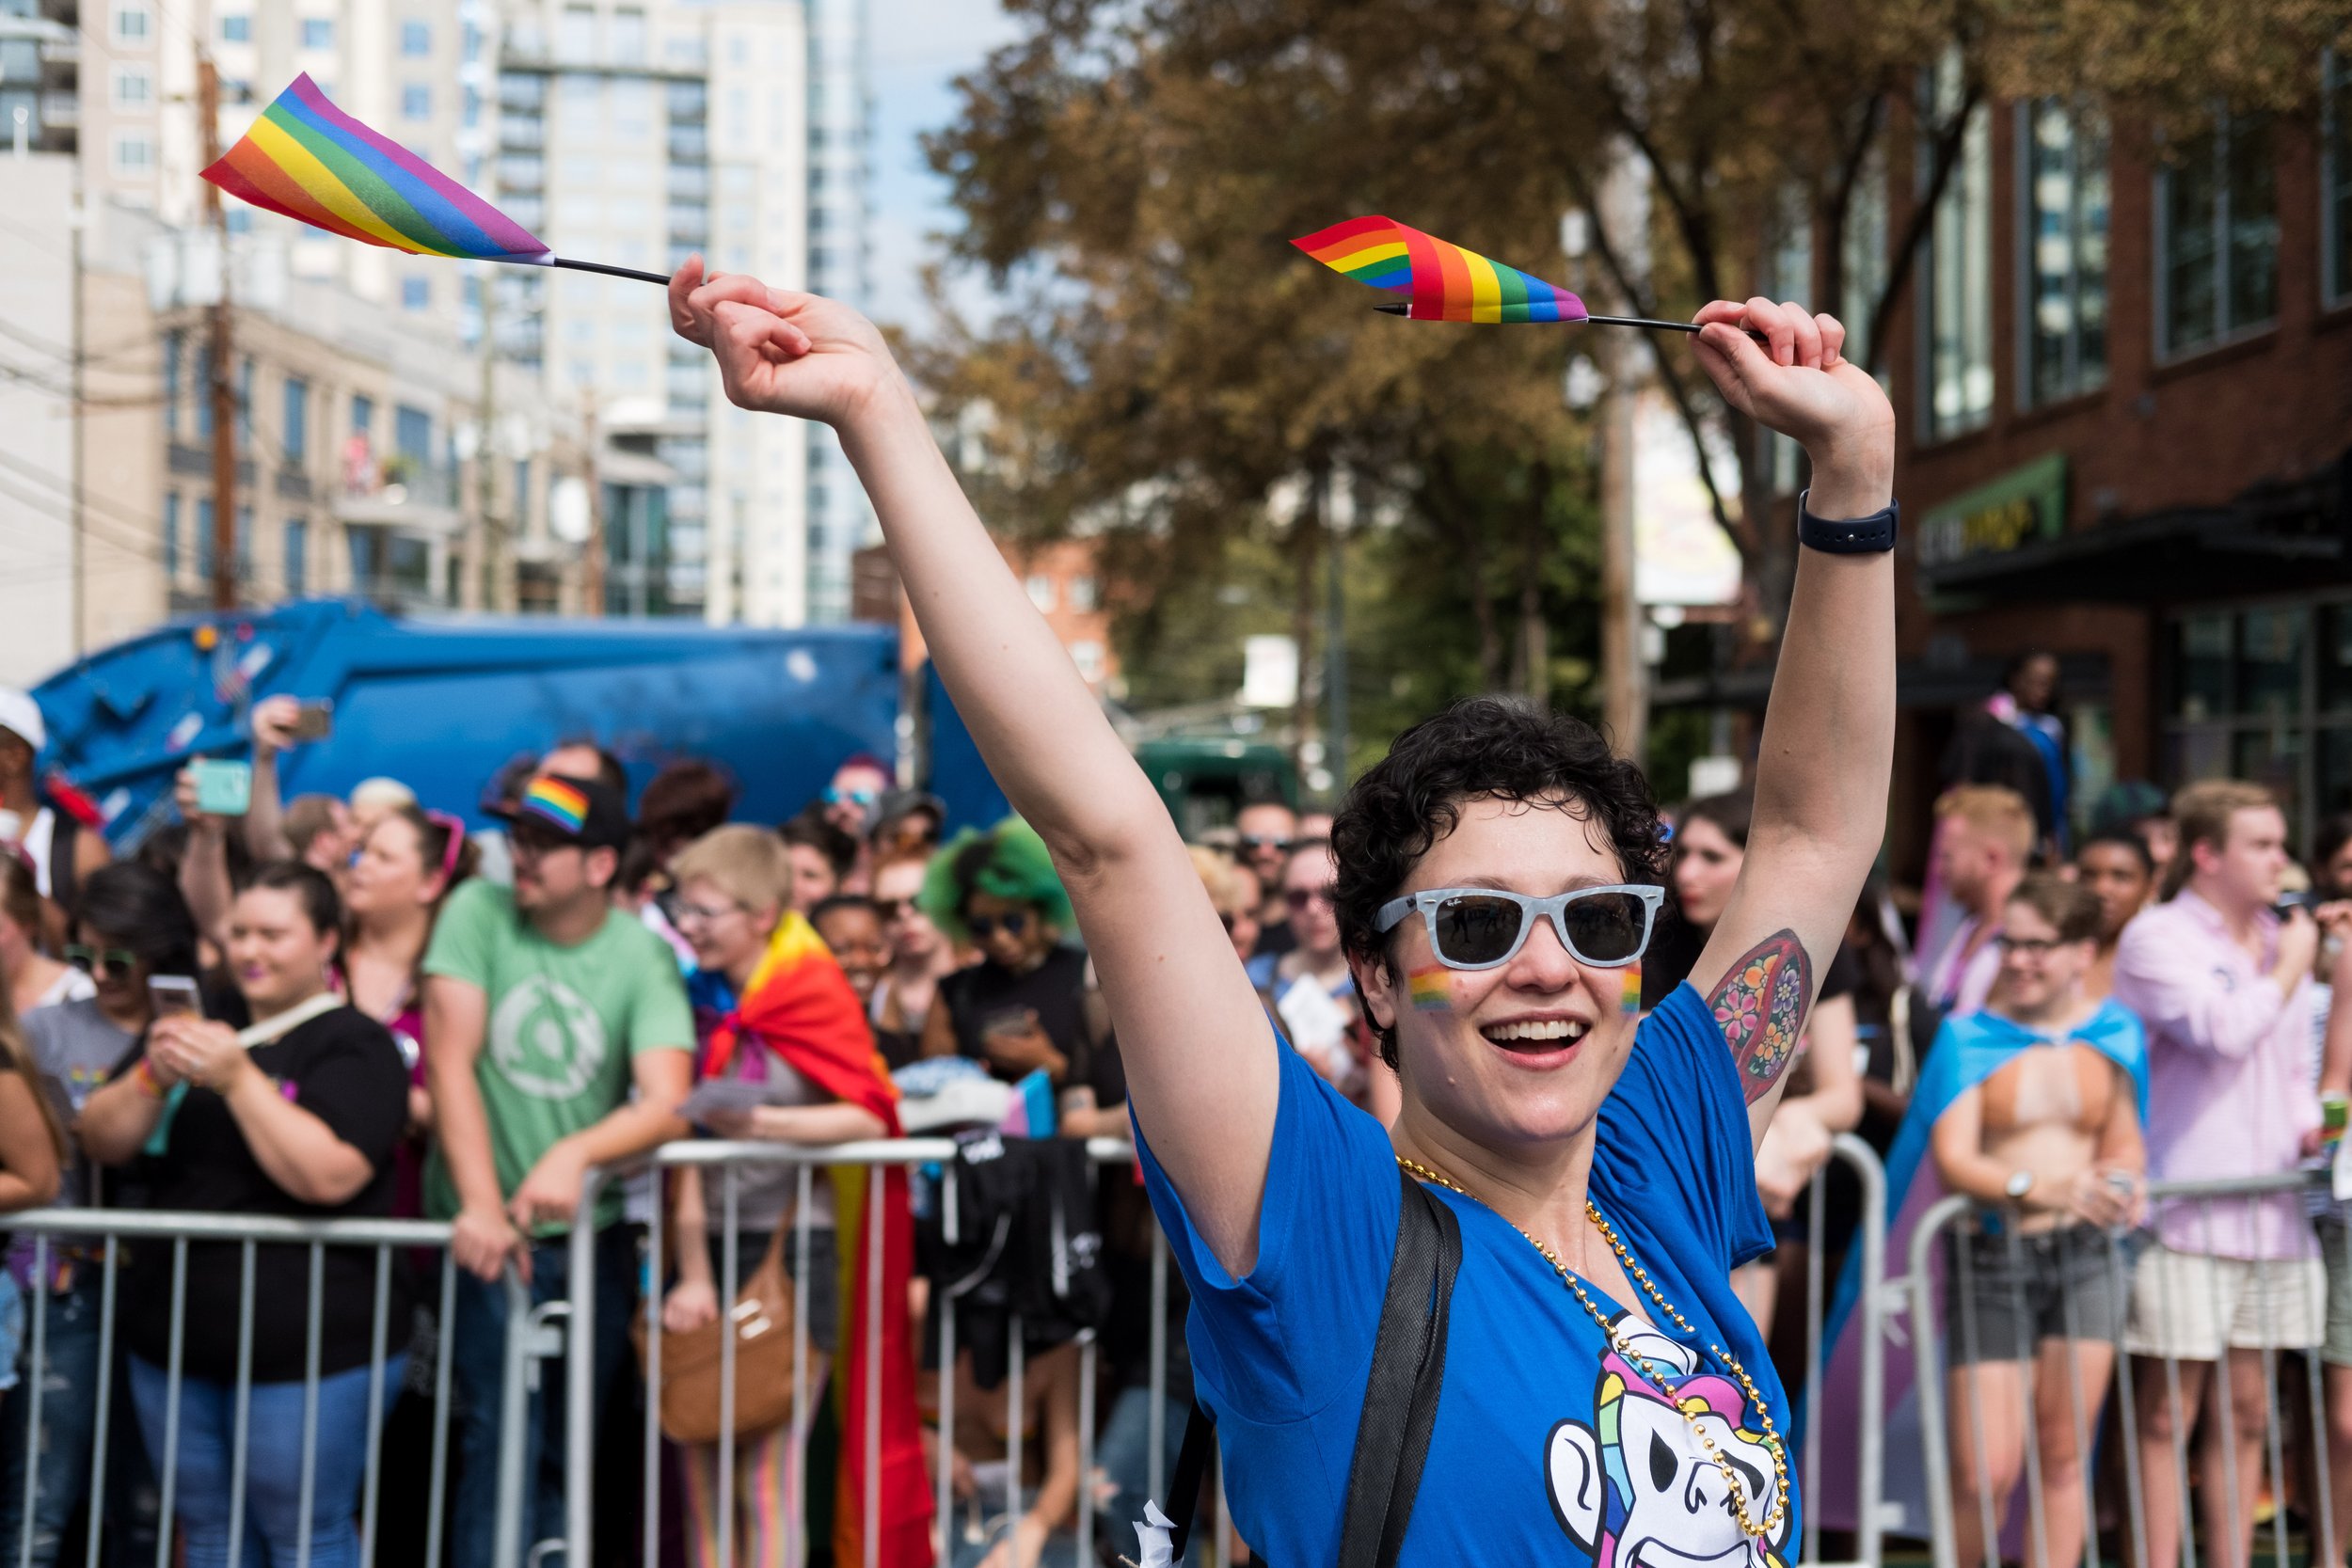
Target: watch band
[(1851, 536)]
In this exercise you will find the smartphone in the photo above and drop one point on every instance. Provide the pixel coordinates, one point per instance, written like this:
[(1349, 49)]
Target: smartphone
[(174, 996), (313, 721), (223, 788)]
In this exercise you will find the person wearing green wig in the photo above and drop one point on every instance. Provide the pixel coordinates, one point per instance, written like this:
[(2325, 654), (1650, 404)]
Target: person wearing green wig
[(1027, 1003)]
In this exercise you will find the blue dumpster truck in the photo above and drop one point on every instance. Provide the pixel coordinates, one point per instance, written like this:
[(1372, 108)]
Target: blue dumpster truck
[(443, 702)]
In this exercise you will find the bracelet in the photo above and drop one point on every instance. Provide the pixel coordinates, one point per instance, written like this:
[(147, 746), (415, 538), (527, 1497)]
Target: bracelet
[(144, 1076), (1849, 536)]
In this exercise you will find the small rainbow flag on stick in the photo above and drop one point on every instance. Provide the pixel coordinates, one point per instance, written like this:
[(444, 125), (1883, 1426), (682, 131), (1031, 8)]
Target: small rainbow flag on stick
[(309, 159), (1449, 283)]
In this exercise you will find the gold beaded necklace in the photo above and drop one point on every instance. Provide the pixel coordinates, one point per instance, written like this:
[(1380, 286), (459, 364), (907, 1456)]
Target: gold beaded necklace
[(1623, 1344)]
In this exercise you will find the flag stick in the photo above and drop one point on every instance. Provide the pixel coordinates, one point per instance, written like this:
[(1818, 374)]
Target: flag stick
[(661, 277), (1404, 308)]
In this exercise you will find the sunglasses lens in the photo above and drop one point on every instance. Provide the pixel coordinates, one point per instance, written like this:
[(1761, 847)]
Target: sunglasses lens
[(1477, 929), (1606, 928)]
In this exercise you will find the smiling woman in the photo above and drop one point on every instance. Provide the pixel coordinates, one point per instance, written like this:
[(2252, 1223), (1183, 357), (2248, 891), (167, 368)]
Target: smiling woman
[(1602, 1384)]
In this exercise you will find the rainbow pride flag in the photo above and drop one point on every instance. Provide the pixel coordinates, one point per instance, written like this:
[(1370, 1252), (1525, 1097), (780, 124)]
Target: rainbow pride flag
[(1448, 282), (314, 162)]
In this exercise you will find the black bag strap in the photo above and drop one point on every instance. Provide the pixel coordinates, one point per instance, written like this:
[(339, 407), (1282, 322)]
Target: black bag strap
[(1400, 1399)]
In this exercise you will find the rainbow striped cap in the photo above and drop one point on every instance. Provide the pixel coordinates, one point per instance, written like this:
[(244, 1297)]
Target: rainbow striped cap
[(592, 815)]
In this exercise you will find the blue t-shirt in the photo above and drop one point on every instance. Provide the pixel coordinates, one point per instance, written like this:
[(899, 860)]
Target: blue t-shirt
[(1548, 1448)]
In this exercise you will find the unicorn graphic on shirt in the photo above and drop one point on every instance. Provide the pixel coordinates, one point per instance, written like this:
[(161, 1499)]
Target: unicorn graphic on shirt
[(1634, 1489)]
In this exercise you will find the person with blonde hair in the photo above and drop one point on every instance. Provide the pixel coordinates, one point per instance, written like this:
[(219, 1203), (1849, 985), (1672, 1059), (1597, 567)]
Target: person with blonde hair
[(1984, 835), (2223, 985), (774, 1012)]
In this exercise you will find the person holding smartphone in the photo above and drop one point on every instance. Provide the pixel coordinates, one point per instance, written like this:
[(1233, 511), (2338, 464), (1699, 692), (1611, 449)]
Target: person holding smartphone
[(131, 930), (292, 1105)]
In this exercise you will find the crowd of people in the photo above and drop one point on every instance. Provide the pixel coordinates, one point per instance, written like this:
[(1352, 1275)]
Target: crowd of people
[(368, 1006)]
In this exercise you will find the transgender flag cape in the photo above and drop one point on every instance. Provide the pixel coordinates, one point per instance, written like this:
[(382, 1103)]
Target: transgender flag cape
[(1967, 1050)]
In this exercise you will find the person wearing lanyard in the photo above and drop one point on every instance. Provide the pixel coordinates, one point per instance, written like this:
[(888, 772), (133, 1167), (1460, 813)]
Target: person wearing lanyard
[(1604, 1395), (296, 1114)]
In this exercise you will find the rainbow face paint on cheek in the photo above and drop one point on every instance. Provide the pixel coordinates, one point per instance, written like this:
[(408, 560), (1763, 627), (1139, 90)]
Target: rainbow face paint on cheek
[(1432, 989), (1629, 991)]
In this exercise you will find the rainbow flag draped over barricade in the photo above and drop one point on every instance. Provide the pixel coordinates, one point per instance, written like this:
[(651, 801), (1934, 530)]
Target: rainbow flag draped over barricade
[(1448, 282), (799, 1007), (309, 159)]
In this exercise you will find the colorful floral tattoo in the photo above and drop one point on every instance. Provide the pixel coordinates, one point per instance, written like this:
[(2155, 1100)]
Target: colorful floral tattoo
[(1760, 1008)]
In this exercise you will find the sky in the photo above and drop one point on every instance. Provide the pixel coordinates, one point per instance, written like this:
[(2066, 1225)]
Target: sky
[(916, 49)]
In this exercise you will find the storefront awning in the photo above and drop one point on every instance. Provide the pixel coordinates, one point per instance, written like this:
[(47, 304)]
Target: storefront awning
[(2274, 538)]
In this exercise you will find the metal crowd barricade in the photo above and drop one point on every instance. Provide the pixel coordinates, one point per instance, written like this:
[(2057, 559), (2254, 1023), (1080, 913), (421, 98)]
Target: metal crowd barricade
[(106, 1231), (1956, 1216), (727, 1158), (722, 1159), (1869, 1307)]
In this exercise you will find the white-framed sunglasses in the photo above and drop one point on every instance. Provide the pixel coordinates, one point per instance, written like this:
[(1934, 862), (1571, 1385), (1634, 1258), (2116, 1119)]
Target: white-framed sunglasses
[(1481, 928)]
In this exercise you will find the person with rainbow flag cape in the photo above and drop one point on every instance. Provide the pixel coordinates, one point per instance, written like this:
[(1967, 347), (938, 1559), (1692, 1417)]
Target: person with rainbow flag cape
[(2032, 1107), (778, 1020)]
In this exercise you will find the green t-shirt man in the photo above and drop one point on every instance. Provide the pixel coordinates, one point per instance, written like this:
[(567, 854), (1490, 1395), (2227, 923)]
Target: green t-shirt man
[(563, 1025)]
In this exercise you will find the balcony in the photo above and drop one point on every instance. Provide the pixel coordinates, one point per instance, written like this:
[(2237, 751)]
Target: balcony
[(402, 493)]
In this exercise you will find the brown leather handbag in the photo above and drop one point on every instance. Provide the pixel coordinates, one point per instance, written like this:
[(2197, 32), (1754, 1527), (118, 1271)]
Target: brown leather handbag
[(760, 1319)]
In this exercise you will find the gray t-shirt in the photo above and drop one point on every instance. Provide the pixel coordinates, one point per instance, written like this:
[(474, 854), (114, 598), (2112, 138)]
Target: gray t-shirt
[(74, 1048)]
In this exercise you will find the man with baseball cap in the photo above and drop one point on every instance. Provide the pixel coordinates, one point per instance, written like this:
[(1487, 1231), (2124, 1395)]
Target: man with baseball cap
[(62, 847), (544, 1008)]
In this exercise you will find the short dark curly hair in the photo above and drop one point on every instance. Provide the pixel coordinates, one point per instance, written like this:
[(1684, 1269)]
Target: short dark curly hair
[(1480, 747)]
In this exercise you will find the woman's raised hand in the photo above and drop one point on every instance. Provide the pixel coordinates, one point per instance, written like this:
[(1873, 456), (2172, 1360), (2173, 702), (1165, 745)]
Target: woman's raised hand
[(781, 352), (1798, 381)]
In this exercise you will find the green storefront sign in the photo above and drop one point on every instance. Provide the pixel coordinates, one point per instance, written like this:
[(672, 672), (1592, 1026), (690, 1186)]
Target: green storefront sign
[(2024, 505)]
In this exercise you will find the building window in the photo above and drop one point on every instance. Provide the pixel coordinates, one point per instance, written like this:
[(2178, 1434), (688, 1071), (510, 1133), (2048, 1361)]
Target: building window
[(576, 34), (416, 101), (1862, 246), (1083, 596), (628, 37), (134, 154), (318, 32), (131, 23), (2264, 694), (297, 436), (174, 347), (2335, 181), (1958, 288), (245, 405), (416, 40), (412, 433), (204, 389), (297, 556), (133, 89), (1787, 274), (1040, 589), (171, 537), (236, 28), (1087, 654), (204, 539), (2218, 236), (362, 415), (2062, 225), (415, 293)]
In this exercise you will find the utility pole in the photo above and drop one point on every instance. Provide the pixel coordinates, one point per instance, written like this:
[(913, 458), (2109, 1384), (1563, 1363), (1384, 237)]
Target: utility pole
[(592, 564), (492, 589), (223, 389), (1624, 678)]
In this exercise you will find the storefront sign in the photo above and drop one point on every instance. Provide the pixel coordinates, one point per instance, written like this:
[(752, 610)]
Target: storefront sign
[(2025, 504)]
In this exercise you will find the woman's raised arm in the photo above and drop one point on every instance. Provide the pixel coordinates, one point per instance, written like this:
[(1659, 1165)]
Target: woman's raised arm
[(1198, 1049)]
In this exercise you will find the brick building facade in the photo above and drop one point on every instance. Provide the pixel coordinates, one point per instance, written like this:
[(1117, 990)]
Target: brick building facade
[(2127, 439)]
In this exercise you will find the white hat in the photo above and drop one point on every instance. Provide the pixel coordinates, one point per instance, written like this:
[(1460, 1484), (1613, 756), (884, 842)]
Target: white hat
[(21, 713)]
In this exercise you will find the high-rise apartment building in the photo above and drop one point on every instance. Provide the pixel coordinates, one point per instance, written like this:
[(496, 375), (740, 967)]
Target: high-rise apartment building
[(639, 132)]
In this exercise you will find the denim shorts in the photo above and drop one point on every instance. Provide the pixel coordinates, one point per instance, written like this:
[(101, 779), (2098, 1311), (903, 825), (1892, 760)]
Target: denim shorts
[(12, 1327), (2003, 1295)]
